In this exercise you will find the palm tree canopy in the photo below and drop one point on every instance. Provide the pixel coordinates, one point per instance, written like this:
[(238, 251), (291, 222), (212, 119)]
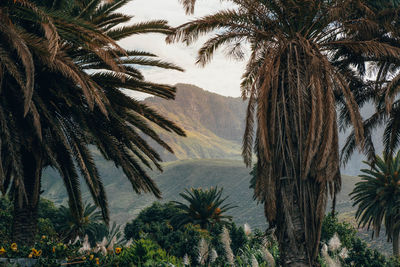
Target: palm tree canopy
[(203, 207), (378, 195), (291, 80), (89, 224), (381, 92), (78, 101)]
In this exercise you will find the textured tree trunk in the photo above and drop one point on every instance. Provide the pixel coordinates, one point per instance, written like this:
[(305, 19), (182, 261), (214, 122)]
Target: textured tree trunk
[(333, 211), (290, 228), (396, 251), (25, 215)]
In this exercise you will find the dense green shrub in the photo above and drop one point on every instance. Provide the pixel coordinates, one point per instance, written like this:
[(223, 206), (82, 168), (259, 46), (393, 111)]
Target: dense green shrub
[(358, 252), (345, 231), (145, 252), (157, 223), (48, 219), (5, 218)]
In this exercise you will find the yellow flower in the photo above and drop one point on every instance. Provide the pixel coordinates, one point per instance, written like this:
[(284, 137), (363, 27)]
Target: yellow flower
[(14, 247), (30, 255), (2, 251), (91, 257), (84, 258), (43, 237), (36, 253), (118, 250), (97, 261), (54, 249)]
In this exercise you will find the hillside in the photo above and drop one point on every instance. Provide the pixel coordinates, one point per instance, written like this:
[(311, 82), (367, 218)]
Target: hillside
[(232, 175), (125, 205), (214, 124)]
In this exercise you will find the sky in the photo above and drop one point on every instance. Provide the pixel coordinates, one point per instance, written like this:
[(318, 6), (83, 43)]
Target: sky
[(221, 76)]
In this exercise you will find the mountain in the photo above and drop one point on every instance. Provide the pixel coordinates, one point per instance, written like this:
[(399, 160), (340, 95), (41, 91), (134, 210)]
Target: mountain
[(214, 124)]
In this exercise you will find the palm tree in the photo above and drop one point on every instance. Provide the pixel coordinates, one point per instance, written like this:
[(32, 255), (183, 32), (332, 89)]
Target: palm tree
[(90, 223), (378, 197), (291, 80), (204, 207), (31, 38), (78, 103), (380, 92)]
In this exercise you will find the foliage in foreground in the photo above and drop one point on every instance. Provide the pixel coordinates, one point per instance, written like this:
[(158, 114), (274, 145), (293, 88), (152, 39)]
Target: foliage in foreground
[(377, 196), (159, 241), (204, 207), (355, 252)]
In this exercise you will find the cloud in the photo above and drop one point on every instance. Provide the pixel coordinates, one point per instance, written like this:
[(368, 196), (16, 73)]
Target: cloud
[(221, 76)]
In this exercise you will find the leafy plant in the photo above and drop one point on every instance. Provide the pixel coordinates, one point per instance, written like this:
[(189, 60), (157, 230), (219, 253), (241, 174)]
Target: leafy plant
[(204, 207), (90, 223), (145, 252), (358, 252), (378, 197)]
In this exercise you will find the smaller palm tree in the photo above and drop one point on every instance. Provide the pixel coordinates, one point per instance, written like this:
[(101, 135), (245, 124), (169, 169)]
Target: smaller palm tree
[(204, 207), (90, 223), (378, 198)]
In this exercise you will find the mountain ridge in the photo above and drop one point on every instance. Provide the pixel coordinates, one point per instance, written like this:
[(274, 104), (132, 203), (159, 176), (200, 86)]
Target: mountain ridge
[(214, 124)]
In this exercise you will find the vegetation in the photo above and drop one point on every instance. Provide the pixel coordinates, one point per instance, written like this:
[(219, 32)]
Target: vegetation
[(349, 250), (205, 207), (377, 197), (90, 224), (77, 103), (159, 223), (156, 240), (301, 58), (63, 108), (380, 95)]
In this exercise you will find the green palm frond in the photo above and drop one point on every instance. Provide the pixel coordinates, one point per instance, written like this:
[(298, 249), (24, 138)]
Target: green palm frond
[(377, 195), (203, 207), (78, 104)]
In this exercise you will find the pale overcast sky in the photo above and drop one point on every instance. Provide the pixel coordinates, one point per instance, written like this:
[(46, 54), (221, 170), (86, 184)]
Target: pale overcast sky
[(221, 76)]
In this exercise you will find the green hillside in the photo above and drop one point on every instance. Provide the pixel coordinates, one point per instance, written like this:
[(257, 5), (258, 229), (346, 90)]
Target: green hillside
[(232, 175), (125, 204), (214, 124)]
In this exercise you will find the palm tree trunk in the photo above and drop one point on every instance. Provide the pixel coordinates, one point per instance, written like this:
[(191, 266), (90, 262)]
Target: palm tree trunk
[(396, 250), (25, 215), (290, 228), (333, 211)]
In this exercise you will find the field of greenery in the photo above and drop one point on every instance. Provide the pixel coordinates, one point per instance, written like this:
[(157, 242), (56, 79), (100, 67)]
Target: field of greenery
[(167, 235)]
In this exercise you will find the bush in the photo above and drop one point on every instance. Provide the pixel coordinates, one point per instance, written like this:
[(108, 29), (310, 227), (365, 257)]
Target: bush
[(358, 252), (145, 252), (5, 219), (157, 223)]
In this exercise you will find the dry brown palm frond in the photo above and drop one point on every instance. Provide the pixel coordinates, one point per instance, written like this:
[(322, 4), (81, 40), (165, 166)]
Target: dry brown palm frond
[(14, 38), (188, 5), (46, 22)]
